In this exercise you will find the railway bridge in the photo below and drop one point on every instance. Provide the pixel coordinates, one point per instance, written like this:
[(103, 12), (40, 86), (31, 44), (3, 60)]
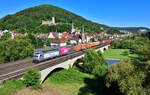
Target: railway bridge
[(16, 70)]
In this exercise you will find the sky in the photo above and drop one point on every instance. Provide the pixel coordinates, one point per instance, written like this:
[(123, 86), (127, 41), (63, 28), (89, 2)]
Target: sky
[(116, 13)]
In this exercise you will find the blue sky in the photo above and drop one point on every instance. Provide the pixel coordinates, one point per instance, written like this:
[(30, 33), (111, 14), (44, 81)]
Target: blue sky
[(110, 12)]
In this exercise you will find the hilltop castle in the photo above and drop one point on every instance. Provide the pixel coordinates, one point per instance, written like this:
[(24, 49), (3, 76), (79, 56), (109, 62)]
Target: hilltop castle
[(52, 22)]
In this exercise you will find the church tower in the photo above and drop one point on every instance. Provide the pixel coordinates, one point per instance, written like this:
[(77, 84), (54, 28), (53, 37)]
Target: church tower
[(53, 20), (72, 29), (83, 35)]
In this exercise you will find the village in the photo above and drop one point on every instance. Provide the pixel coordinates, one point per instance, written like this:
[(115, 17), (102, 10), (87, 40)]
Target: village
[(74, 37)]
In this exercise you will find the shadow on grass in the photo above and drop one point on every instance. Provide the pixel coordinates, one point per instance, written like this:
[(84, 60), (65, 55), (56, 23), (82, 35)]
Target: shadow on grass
[(132, 57), (97, 87), (125, 55)]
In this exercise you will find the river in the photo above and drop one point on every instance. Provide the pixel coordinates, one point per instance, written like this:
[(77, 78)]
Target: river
[(110, 62)]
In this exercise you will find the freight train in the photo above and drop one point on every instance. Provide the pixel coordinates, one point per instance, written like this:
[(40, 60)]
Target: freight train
[(40, 56)]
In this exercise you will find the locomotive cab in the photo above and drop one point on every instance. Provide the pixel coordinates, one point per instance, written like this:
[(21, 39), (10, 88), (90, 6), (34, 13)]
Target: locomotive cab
[(36, 57)]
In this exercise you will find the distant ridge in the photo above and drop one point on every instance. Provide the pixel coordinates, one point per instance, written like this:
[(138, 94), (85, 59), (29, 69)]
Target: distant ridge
[(133, 29)]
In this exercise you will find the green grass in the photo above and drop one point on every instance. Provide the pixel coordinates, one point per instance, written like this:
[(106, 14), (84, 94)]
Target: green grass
[(67, 82), (73, 75), (74, 82), (11, 86), (118, 54)]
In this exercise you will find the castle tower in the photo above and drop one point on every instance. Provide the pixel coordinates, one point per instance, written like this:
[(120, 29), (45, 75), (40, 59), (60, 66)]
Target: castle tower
[(53, 20)]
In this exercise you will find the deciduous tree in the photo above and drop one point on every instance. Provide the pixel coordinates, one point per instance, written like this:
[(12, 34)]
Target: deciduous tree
[(32, 78)]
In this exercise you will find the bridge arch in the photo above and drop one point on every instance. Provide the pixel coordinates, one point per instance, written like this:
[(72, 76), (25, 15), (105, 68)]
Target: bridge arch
[(45, 73), (104, 49), (53, 71), (65, 65)]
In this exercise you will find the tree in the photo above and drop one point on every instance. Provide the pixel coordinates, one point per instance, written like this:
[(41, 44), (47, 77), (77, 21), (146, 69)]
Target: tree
[(113, 31), (32, 78), (144, 52), (130, 77), (36, 42), (94, 63), (116, 44), (22, 49)]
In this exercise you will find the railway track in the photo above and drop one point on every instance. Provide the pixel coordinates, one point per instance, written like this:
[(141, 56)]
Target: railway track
[(18, 69), (9, 67)]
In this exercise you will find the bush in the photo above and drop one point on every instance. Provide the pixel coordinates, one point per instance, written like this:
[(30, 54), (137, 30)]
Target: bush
[(32, 78), (11, 86)]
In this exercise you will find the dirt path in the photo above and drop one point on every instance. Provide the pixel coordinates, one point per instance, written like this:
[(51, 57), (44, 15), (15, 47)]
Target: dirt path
[(44, 91)]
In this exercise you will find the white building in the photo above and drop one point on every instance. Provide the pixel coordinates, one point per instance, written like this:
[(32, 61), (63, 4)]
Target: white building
[(60, 44)]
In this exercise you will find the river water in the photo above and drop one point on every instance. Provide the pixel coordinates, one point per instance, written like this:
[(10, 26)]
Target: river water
[(112, 62)]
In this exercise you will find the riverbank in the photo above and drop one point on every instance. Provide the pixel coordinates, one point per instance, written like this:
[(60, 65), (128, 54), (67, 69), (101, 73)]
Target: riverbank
[(113, 59)]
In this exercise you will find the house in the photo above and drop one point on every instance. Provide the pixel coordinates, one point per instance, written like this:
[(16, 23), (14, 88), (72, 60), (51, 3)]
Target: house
[(64, 35), (5, 31), (26, 34), (75, 39), (17, 34), (88, 38), (102, 34), (43, 35), (53, 35), (59, 43), (96, 37), (116, 35)]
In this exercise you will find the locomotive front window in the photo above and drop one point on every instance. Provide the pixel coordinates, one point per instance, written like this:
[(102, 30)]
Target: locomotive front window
[(35, 56)]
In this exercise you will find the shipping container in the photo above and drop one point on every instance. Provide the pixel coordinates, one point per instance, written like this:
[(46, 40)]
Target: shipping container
[(83, 46), (64, 50), (77, 47), (103, 41)]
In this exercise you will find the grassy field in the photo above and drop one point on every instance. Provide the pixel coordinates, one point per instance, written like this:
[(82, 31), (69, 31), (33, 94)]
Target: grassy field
[(50, 88), (10, 87), (118, 54), (60, 83)]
